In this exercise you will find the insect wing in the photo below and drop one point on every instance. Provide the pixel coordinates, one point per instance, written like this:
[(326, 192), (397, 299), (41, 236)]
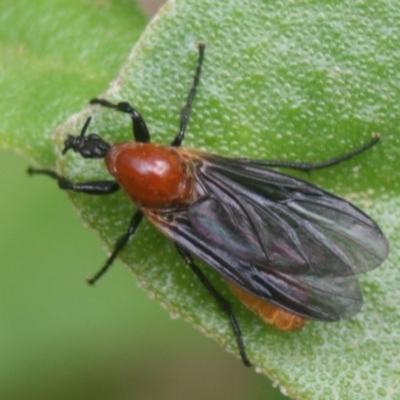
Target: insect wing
[(293, 225), (279, 238)]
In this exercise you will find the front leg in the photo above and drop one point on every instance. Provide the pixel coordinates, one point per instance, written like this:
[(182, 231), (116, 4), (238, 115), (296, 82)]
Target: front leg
[(139, 127), (94, 187)]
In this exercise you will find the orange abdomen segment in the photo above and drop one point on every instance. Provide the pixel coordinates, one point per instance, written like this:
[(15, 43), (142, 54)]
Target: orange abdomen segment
[(270, 313)]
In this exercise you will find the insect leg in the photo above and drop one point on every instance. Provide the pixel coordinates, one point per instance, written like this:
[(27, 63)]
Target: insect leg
[(94, 187), (139, 127), (304, 166), (222, 302), (119, 245), (185, 113)]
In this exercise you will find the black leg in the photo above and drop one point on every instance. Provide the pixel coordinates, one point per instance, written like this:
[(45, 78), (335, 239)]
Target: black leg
[(95, 187), (119, 245), (185, 113), (140, 131), (224, 304), (302, 166)]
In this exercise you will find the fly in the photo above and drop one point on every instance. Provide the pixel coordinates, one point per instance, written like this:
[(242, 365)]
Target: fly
[(288, 249)]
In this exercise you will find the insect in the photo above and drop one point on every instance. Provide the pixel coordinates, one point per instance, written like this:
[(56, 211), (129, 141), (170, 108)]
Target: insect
[(288, 249)]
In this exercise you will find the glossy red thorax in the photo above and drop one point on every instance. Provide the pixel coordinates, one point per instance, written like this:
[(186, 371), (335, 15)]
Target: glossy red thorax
[(154, 176)]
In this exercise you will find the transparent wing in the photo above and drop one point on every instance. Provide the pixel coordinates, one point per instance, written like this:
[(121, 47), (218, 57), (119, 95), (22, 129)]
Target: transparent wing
[(285, 223), (278, 237)]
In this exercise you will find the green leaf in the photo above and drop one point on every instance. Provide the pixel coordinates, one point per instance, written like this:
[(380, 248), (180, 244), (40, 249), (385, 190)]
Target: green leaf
[(300, 80), (54, 56)]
